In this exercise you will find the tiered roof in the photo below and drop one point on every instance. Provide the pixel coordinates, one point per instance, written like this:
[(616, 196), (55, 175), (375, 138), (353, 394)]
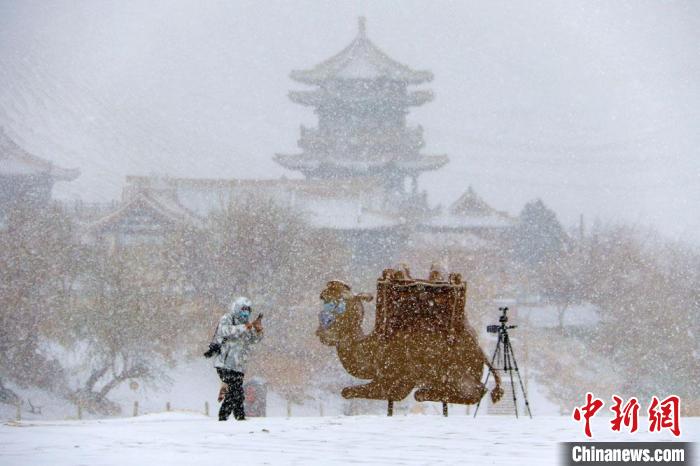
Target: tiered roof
[(361, 60), (363, 82)]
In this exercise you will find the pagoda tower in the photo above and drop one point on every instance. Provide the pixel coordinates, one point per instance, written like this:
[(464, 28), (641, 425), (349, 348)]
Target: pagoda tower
[(361, 98)]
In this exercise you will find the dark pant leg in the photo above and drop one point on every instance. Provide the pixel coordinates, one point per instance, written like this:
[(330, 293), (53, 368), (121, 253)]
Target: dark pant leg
[(226, 407), (233, 400), (237, 395)]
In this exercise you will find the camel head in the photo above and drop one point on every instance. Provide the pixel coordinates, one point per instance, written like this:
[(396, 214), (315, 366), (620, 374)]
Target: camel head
[(341, 313)]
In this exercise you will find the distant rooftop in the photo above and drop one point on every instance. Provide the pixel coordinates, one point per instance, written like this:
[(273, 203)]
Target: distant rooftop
[(471, 211), (328, 204), (361, 60), (15, 161), (472, 204)]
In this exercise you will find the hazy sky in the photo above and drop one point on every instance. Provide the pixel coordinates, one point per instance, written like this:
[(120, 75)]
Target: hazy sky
[(592, 106)]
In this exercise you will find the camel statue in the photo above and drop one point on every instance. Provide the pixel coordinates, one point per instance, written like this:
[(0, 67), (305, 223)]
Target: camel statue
[(420, 340)]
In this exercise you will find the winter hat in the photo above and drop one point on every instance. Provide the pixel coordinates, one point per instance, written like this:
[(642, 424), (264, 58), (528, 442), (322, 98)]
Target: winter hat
[(241, 308)]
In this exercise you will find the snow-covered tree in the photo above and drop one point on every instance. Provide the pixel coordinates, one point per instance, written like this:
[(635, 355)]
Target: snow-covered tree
[(38, 266), (538, 235), (646, 342), (128, 322)]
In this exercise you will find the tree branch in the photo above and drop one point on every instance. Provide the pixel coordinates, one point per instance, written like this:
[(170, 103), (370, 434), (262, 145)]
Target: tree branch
[(95, 376), (131, 373)]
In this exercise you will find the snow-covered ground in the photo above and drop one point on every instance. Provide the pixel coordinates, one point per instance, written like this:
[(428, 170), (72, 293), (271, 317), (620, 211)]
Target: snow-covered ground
[(187, 438), (192, 384)]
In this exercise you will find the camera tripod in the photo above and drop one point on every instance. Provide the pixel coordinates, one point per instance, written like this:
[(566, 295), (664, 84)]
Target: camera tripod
[(504, 360)]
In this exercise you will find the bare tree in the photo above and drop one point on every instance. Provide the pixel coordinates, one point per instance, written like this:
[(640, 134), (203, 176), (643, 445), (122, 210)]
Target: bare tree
[(128, 322)]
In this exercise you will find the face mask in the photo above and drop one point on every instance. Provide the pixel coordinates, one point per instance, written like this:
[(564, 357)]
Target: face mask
[(244, 315)]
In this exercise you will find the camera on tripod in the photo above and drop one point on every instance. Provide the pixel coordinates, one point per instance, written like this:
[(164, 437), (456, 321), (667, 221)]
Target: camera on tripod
[(504, 359), (503, 319)]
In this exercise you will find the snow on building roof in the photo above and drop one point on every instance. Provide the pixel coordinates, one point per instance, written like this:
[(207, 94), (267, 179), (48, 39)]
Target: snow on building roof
[(333, 204), (15, 161), (464, 241), (325, 188), (462, 222), (471, 211), (351, 203), (345, 214), (472, 204), (162, 207), (361, 60)]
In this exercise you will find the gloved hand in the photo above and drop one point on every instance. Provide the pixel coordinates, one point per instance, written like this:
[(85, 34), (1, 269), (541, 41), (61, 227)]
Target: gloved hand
[(256, 324)]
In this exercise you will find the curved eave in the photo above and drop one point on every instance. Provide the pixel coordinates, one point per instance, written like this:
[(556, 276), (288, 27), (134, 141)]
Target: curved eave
[(419, 97), (426, 162), (295, 162), (316, 77), (299, 162), (317, 98), (309, 98)]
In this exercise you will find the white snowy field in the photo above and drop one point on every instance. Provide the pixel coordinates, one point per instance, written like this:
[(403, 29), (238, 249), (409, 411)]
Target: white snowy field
[(180, 438)]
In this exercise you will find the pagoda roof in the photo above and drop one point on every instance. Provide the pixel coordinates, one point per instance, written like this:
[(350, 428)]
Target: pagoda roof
[(361, 60), (15, 161)]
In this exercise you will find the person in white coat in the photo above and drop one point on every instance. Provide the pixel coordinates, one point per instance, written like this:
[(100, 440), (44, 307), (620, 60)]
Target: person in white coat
[(236, 336)]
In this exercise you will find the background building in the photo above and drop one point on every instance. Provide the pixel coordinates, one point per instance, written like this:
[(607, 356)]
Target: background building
[(361, 166), (25, 179)]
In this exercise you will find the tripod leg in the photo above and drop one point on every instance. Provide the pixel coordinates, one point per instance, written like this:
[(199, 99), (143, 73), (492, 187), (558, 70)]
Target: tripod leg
[(520, 379), (509, 368), (488, 374)]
